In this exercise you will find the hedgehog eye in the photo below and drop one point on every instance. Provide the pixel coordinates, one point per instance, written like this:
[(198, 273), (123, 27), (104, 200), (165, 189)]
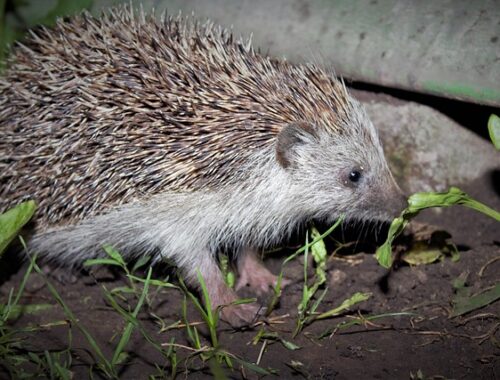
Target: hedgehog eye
[(354, 176)]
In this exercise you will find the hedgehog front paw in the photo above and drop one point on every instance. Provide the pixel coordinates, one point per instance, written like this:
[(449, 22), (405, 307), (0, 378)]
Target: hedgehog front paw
[(241, 315), (223, 298), (253, 273)]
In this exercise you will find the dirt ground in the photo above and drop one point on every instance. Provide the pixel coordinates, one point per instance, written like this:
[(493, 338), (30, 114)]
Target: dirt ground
[(392, 347)]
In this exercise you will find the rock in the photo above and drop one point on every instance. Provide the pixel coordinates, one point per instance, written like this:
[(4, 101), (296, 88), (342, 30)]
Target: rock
[(427, 151)]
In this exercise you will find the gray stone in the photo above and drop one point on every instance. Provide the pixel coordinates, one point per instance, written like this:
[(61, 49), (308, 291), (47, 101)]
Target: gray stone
[(428, 151)]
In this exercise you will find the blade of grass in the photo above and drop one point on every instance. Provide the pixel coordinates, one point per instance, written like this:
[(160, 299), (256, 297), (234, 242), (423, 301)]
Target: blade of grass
[(211, 318), (130, 325), (216, 369), (253, 367), (319, 254), (8, 308), (159, 283), (345, 305), (362, 320), (307, 246), (103, 363)]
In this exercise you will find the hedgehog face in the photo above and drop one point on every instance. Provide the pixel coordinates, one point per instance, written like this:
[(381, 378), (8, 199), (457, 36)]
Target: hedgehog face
[(342, 173)]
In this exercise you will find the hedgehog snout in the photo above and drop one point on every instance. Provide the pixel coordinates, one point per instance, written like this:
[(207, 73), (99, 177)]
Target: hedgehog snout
[(383, 200), (396, 202), (392, 200)]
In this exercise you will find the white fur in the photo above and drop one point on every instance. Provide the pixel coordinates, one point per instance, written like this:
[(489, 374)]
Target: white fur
[(185, 227), (260, 209)]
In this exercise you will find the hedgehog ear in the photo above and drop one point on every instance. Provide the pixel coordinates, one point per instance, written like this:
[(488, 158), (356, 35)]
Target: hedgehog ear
[(291, 136)]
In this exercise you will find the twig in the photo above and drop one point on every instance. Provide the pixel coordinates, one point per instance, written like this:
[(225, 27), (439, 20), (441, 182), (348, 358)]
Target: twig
[(483, 268), (261, 352)]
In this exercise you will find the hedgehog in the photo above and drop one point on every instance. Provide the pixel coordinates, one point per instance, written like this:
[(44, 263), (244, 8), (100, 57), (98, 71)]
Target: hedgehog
[(171, 138)]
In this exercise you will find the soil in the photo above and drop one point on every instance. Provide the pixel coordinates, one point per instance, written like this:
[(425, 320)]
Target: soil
[(424, 343)]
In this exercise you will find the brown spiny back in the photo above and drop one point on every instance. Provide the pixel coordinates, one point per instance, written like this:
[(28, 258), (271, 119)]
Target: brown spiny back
[(98, 112)]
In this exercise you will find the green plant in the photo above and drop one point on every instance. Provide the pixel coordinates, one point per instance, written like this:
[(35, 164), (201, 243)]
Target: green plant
[(13, 220), (420, 201), (494, 130), (214, 354)]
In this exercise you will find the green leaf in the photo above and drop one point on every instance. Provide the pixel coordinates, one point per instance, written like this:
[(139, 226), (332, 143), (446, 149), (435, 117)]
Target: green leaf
[(420, 201), (210, 316), (318, 250), (91, 262), (114, 254), (384, 252), (346, 305), (307, 246), (118, 356), (160, 283), (494, 130), (142, 261), (274, 336), (289, 345), (319, 254), (421, 254), (13, 220), (229, 276), (459, 282), (123, 290), (454, 196), (463, 305), (16, 310)]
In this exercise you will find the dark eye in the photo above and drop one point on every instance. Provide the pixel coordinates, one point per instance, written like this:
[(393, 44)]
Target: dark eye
[(354, 176)]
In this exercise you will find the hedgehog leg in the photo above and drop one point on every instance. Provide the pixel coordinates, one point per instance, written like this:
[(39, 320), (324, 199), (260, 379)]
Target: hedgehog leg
[(252, 272), (222, 296)]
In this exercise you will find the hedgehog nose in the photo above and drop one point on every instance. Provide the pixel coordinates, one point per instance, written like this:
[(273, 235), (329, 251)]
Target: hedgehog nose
[(398, 201)]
